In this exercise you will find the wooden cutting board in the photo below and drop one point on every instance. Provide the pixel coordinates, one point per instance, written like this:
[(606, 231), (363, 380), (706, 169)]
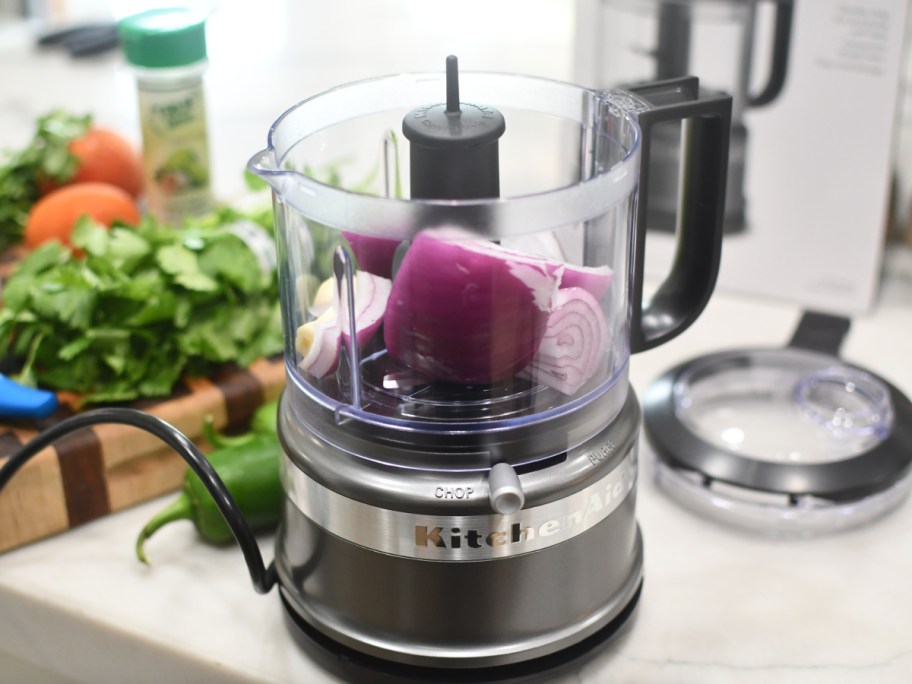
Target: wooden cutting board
[(105, 468)]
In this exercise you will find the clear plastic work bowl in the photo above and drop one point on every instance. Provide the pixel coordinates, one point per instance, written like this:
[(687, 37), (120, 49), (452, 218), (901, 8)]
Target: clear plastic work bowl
[(480, 312)]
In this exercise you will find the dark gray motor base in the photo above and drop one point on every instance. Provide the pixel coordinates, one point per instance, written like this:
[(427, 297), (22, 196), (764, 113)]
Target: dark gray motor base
[(465, 614), (354, 666), (456, 613)]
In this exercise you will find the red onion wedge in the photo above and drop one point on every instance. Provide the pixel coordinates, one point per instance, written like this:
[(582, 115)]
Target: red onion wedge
[(574, 343), (373, 254), (319, 341), (465, 310), (546, 246), (594, 279)]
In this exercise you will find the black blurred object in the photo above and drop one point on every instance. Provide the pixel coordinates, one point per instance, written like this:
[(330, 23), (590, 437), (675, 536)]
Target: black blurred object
[(8, 365), (83, 40)]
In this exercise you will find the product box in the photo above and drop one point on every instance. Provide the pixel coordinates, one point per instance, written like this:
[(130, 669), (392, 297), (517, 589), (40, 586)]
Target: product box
[(816, 88)]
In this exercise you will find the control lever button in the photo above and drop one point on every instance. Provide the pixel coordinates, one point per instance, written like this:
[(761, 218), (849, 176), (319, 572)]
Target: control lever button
[(505, 489)]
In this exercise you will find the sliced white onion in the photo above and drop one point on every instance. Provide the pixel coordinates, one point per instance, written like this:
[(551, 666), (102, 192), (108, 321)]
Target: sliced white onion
[(323, 299), (319, 341)]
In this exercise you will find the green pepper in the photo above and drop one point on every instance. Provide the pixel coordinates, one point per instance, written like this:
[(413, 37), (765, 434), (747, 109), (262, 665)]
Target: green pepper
[(248, 465)]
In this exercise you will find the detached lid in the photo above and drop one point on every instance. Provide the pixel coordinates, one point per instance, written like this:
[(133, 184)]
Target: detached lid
[(162, 38), (780, 440)]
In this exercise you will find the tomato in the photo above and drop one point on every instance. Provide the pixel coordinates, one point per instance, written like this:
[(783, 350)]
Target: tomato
[(54, 215), (107, 157)]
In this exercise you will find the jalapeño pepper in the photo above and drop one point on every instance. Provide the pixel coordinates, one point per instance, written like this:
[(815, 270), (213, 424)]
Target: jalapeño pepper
[(248, 465)]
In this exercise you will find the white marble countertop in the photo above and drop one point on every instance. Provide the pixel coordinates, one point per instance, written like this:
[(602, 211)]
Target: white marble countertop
[(718, 605)]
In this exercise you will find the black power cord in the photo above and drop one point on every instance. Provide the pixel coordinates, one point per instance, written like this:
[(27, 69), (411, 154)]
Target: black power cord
[(263, 578)]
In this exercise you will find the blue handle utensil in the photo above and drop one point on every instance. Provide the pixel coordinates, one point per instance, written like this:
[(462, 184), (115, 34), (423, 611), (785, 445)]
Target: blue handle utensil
[(19, 401)]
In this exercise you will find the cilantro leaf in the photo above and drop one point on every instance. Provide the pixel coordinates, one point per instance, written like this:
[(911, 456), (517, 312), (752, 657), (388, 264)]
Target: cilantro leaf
[(46, 158), (140, 308)]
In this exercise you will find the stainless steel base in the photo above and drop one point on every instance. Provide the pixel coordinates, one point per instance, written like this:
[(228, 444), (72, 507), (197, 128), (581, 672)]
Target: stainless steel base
[(460, 590), (355, 666)]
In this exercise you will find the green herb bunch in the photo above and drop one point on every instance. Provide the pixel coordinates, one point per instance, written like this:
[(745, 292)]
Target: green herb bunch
[(45, 159), (140, 307)]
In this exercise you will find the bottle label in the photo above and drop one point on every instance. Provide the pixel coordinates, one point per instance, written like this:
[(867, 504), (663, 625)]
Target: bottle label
[(175, 152)]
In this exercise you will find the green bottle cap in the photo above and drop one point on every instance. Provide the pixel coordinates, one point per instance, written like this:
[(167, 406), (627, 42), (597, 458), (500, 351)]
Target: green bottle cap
[(164, 38)]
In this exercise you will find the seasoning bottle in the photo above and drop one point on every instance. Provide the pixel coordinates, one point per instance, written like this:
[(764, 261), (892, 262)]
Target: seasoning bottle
[(166, 49)]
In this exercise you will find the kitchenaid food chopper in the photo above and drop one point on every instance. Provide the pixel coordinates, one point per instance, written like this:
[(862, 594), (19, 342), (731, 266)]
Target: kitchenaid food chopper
[(637, 41), (460, 435)]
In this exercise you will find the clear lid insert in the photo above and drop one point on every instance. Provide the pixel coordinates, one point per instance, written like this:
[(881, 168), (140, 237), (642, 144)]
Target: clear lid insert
[(785, 406), (786, 442)]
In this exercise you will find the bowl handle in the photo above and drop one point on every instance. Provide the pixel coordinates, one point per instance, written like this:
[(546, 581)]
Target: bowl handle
[(706, 129)]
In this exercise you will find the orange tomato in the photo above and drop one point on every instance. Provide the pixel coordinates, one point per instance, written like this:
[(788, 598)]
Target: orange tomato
[(54, 215), (107, 157)]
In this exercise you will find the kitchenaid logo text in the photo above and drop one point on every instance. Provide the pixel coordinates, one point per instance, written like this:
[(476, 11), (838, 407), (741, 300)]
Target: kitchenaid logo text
[(595, 505), (466, 538)]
